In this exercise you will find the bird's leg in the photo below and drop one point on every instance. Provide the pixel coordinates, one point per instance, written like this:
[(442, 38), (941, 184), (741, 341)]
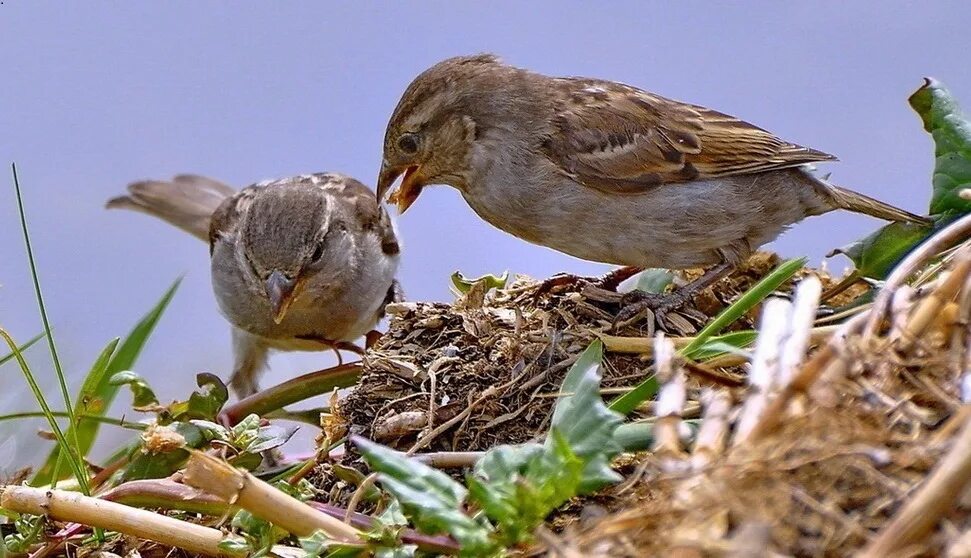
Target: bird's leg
[(635, 302), (250, 360), (608, 281)]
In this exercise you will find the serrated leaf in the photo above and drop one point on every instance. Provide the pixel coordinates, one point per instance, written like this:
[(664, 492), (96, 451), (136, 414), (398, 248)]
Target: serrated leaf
[(463, 284), (951, 131), (430, 498), (876, 255), (654, 280), (588, 360)]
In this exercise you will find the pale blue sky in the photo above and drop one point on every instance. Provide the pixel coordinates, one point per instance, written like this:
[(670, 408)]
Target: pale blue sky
[(96, 94)]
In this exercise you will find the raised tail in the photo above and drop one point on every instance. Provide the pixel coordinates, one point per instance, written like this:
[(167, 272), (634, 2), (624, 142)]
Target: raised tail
[(187, 201), (854, 201)]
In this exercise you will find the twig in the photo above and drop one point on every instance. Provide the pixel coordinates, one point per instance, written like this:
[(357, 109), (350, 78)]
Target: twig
[(240, 488), (71, 506), (934, 499)]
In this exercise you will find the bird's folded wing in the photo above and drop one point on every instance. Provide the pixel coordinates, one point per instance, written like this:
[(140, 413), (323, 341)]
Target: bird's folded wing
[(617, 138)]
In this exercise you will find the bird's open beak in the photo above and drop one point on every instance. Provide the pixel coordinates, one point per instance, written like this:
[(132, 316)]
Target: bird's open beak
[(410, 188), (279, 289)]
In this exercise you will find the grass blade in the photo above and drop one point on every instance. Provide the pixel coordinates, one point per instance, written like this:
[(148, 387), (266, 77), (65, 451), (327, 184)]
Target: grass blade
[(97, 393), (73, 459), (7, 358), (58, 371), (766, 286)]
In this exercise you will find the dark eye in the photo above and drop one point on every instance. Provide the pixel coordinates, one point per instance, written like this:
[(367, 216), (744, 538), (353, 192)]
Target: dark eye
[(408, 143), (318, 252)]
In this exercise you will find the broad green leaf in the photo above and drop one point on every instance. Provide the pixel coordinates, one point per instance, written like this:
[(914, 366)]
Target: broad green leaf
[(654, 280), (756, 294), (942, 117), (463, 284), (430, 498), (143, 394), (876, 255), (100, 392), (588, 360), (205, 402)]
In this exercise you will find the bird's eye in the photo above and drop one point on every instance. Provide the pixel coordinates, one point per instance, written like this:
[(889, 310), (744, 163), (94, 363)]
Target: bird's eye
[(408, 143), (318, 252)]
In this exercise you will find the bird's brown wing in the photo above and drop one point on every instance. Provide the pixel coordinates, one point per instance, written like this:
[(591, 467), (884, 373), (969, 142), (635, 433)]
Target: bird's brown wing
[(187, 201), (617, 138)]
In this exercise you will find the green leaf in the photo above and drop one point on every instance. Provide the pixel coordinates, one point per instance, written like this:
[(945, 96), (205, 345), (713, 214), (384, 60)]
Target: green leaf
[(876, 255), (734, 342), (587, 427), (654, 280), (145, 464), (205, 402), (588, 360), (756, 294), (942, 117), (100, 392), (430, 498), (463, 284), (143, 394)]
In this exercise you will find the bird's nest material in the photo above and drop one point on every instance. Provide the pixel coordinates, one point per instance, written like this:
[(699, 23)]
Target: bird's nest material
[(828, 467), (492, 362)]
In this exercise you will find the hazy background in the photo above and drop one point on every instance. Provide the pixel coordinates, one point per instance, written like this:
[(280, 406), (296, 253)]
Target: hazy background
[(94, 95)]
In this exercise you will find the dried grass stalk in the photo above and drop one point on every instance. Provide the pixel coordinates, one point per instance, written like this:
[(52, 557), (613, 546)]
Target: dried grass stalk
[(77, 508), (765, 365), (240, 488), (710, 442), (935, 498), (670, 400), (804, 308), (930, 307)]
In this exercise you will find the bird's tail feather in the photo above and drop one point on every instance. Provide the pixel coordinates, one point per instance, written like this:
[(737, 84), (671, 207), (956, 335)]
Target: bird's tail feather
[(187, 201), (854, 201)]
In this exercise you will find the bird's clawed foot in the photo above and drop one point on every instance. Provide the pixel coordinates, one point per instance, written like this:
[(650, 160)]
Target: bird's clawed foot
[(660, 307), (609, 281)]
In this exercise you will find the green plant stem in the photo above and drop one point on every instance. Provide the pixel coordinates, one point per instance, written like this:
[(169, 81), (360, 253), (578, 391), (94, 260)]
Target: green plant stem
[(81, 418), (292, 391)]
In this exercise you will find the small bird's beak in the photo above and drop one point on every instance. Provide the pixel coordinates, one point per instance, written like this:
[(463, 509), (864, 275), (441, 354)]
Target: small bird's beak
[(410, 188), (279, 289)]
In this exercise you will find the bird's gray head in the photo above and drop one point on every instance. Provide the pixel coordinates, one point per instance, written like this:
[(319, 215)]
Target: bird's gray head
[(291, 233), (440, 116)]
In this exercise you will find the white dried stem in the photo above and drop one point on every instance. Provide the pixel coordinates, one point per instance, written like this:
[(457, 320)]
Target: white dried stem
[(710, 441), (63, 505), (961, 335), (804, 309), (805, 377), (765, 365), (903, 299), (670, 399), (955, 232), (239, 487), (935, 498)]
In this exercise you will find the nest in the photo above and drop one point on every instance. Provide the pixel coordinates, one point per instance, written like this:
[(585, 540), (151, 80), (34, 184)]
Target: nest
[(821, 470)]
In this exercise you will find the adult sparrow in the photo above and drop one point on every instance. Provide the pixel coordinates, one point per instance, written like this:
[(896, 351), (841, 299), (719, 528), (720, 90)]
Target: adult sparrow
[(301, 263), (604, 171)]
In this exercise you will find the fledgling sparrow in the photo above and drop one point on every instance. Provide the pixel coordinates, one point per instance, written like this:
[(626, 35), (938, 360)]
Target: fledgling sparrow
[(298, 264), (604, 171)]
